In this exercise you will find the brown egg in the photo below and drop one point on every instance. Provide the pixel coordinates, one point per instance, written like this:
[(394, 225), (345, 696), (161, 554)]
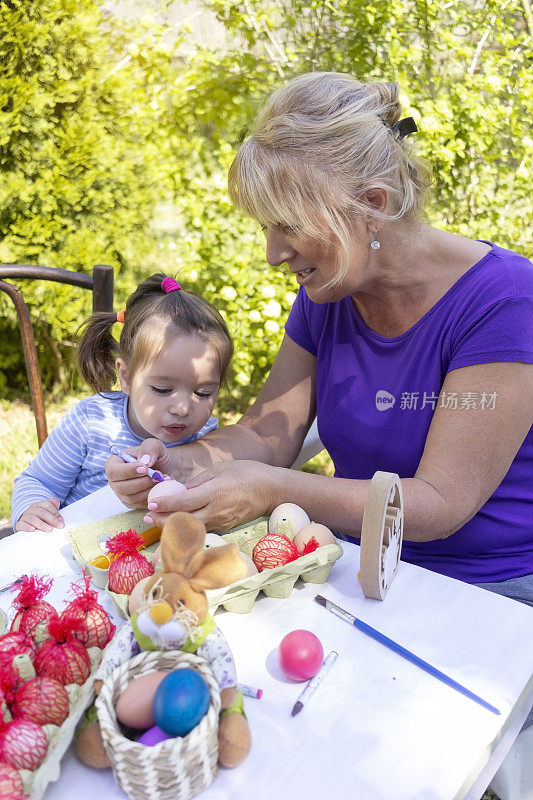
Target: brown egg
[(90, 747), (134, 706), (322, 534)]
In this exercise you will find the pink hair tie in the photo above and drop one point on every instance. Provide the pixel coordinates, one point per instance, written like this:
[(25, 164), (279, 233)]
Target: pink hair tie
[(169, 284)]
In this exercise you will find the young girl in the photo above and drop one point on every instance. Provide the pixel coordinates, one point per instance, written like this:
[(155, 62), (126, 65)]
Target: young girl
[(173, 353)]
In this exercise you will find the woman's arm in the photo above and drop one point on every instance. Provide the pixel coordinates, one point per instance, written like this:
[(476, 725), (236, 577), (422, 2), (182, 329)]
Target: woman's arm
[(271, 432), (467, 454)]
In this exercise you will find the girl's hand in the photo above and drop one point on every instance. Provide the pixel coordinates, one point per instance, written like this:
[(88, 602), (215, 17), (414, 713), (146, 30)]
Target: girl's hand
[(229, 493), (41, 516), (130, 482)]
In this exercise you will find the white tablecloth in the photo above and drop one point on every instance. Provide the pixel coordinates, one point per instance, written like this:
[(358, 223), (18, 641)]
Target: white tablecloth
[(378, 728)]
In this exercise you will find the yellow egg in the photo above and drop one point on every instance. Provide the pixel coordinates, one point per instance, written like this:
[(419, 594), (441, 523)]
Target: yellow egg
[(322, 534), (134, 706), (102, 562)]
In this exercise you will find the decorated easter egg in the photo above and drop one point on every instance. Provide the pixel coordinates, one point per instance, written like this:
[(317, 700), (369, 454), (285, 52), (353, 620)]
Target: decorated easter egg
[(134, 706), (10, 782), (321, 535), (164, 489), (300, 655), (23, 744), (43, 700), (274, 550), (288, 516), (180, 702), (153, 736)]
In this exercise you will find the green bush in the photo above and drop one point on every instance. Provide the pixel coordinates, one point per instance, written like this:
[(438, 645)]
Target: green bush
[(115, 145)]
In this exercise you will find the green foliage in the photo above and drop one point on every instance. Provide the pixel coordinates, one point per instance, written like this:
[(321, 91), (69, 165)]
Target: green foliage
[(80, 175), (115, 145), (464, 69)]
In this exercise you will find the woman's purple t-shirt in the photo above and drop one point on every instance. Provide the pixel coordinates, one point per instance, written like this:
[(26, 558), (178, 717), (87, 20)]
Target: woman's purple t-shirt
[(376, 396)]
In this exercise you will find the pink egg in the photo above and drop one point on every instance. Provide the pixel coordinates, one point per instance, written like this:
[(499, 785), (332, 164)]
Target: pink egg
[(315, 530), (136, 595), (300, 655), (134, 706), (164, 489)]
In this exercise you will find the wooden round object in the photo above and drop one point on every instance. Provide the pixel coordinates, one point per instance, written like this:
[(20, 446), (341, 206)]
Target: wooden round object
[(381, 535)]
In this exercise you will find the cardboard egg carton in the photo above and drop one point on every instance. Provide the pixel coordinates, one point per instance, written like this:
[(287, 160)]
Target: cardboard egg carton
[(60, 736), (240, 596), (276, 582)]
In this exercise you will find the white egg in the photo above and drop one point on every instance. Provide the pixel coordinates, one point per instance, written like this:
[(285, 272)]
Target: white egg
[(214, 540), (322, 535), (288, 513), (251, 569), (164, 489)]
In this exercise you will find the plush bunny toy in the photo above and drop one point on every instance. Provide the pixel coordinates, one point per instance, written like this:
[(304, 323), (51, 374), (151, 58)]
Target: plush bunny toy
[(173, 615)]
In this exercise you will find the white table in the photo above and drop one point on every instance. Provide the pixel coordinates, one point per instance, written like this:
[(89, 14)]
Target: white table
[(378, 728)]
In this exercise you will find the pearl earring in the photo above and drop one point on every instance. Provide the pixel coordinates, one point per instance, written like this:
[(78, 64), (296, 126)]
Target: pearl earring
[(375, 244)]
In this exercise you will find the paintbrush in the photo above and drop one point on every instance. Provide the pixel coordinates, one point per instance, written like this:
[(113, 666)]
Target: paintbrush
[(402, 651)]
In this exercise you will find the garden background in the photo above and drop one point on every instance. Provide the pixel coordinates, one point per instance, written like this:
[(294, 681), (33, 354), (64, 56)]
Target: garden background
[(119, 120)]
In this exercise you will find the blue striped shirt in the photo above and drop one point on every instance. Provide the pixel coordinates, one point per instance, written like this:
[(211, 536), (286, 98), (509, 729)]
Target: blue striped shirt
[(71, 463)]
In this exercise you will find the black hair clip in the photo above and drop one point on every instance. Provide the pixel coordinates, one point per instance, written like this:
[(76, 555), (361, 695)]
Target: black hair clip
[(404, 127)]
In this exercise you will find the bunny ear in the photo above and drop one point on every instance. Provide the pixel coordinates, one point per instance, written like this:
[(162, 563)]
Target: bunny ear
[(182, 538), (216, 567)]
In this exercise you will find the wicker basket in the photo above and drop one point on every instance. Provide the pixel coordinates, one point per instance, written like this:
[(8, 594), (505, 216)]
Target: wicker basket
[(175, 769)]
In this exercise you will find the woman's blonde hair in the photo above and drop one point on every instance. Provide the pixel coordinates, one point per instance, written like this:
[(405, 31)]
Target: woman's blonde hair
[(319, 149)]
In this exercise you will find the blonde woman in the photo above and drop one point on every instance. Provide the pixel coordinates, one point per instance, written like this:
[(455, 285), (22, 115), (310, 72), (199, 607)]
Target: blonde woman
[(412, 346)]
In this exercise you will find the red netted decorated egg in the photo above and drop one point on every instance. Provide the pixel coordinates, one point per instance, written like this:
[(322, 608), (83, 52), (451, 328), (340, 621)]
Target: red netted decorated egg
[(130, 566), (11, 785), (43, 700), (32, 610), (274, 550), (16, 642), (91, 622), (23, 743), (63, 657)]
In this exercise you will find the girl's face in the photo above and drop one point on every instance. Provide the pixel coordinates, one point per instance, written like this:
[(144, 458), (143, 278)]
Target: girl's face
[(173, 395)]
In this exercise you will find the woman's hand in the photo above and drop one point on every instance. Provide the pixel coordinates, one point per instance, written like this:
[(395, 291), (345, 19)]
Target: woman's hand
[(41, 516), (227, 494), (130, 482)]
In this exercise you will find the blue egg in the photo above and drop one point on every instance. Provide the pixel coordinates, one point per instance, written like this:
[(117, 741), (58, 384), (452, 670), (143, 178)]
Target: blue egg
[(180, 701)]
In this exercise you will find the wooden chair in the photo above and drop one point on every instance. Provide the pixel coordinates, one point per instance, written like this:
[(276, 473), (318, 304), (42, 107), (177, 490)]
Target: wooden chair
[(100, 283)]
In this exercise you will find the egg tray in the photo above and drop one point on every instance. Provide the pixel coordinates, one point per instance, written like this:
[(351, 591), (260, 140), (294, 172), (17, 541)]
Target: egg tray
[(60, 736), (86, 541), (240, 596)]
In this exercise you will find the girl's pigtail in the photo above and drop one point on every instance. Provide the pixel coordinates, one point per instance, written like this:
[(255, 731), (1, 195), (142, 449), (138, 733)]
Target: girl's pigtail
[(97, 351)]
